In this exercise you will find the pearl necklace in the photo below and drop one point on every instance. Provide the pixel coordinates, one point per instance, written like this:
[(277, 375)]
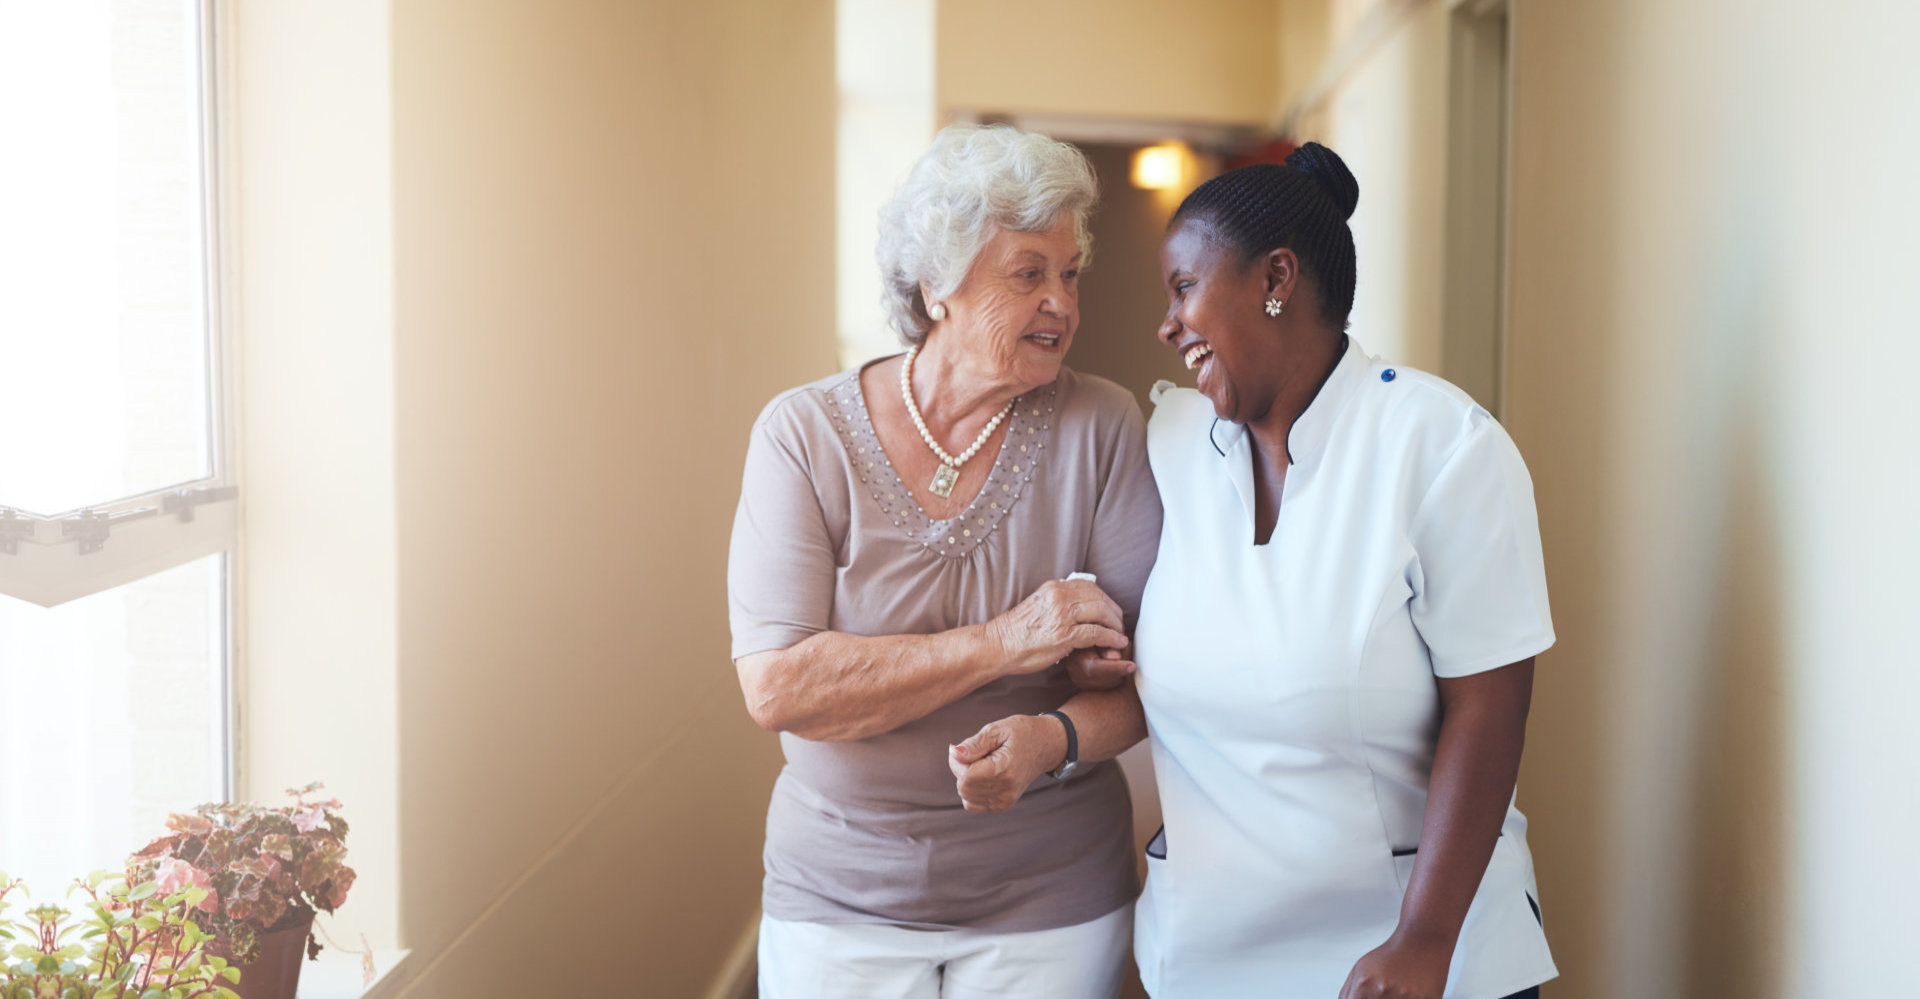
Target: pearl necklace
[(948, 473)]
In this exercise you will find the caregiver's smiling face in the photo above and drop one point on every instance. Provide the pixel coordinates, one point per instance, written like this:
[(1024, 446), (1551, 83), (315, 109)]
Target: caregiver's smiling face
[(1216, 321)]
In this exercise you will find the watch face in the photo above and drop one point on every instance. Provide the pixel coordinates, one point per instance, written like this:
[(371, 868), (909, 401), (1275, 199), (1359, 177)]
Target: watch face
[(1066, 770)]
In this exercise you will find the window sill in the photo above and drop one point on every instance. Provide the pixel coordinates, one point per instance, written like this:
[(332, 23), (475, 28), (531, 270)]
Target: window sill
[(335, 975)]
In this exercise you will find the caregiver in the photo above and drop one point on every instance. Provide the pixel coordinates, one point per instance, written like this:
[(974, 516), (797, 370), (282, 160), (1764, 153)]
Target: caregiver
[(1336, 645)]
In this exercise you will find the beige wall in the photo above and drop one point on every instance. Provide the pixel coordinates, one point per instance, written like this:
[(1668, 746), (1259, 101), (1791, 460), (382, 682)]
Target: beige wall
[(613, 242), (1711, 237), (1303, 33), (1205, 60)]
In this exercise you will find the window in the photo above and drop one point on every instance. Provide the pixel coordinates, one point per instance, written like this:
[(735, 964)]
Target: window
[(117, 521)]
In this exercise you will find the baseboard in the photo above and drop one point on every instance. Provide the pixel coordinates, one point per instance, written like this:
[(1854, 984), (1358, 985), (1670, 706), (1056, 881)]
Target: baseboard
[(739, 973)]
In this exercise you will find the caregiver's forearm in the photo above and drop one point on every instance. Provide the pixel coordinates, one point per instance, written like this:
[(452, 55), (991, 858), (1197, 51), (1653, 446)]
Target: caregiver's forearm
[(1483, 725), (836, 687)]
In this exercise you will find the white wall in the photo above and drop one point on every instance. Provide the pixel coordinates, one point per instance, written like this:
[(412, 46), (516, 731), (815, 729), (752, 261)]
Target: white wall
[(1389, 124), (883, 68), (308, 129), (1708, 349)]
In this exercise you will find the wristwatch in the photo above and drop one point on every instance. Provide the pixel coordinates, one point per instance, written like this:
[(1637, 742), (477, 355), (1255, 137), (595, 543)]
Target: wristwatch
[(1073, 746)]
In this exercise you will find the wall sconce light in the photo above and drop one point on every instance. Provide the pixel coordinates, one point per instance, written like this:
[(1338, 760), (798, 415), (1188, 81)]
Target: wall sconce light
[(1163, 167)]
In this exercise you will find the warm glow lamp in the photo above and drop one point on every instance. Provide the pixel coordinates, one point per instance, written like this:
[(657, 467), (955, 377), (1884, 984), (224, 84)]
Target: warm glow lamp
[(1161, 167)]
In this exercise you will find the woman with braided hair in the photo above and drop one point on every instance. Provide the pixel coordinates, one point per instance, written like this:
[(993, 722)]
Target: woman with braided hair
[(1335, 648)]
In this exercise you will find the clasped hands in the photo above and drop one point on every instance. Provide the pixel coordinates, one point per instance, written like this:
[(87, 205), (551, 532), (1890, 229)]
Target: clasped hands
[(1069, 620)]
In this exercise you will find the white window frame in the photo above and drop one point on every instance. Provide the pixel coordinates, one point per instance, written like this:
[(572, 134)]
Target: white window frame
[(50, 559)]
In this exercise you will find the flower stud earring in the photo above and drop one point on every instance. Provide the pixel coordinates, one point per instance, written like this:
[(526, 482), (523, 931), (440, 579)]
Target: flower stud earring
[(1273, 306), (937, 311)]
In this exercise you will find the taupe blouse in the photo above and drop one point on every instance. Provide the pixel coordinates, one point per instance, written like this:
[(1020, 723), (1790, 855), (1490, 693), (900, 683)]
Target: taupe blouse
[(827, 538)]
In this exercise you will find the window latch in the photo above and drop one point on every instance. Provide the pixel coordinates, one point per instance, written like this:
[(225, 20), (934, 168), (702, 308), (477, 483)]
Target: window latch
[(91, 527), (14, 528)]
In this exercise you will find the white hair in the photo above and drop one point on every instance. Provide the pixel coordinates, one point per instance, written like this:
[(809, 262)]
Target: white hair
[(974, 179)]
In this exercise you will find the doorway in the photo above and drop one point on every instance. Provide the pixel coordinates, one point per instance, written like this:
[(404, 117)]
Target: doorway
[(1473, 323)]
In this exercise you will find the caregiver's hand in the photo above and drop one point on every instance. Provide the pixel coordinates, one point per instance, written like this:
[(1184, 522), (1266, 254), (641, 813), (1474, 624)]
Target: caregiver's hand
[(996, 764), (1400, 969), (1099, 669), (1059, 617)]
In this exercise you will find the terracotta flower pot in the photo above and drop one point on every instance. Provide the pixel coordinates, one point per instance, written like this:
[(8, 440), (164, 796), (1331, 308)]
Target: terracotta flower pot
[(275, 974)]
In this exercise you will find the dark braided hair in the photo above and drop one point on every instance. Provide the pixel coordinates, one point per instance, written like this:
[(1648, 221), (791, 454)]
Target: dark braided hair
[(1302, 206)]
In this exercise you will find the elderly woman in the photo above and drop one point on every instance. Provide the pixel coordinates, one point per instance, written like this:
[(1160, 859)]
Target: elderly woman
[(898, 581)]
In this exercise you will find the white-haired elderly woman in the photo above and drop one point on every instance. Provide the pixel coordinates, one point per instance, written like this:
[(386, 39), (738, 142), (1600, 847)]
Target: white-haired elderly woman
[(902, 615)]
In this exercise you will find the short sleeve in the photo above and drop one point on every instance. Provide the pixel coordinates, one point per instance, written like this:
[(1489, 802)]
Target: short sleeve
[(1126, 522), (1480, 584), (781, 564)]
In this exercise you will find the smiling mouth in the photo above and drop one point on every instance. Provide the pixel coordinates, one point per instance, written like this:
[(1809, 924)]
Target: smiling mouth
[(1045, 339), (1195, 354)]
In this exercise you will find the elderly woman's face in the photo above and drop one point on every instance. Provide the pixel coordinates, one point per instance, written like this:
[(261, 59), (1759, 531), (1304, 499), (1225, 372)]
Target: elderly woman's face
[(1017, 309)]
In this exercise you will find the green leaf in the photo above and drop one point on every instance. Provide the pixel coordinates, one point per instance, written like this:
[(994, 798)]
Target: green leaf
[(143, 891), (148, 922), (231, 975)]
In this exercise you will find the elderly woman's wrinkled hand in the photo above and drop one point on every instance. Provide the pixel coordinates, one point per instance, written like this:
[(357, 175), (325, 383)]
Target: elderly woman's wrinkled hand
[(1059, 617), (1099, 669), (994, 767)]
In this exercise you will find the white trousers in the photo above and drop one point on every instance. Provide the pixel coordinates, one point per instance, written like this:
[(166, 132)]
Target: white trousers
[(869, 961)]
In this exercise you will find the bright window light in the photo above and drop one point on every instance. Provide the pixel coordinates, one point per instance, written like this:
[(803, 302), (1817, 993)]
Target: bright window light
[(113, 704), (112, 715), (103, 319)]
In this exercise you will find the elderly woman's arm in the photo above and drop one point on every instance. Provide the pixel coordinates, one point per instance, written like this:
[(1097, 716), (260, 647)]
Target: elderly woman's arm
[(836, 687), (1483, 723), (994, 767)]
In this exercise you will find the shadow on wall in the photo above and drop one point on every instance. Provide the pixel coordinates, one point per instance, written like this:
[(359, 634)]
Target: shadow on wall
[(1737, 904)]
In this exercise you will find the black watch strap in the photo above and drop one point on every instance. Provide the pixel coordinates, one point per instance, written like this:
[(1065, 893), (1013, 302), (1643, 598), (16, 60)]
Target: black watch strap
[(1073, 746)]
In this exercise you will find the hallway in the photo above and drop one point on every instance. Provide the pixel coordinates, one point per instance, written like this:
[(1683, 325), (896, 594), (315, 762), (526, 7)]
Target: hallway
[(1703, 363)]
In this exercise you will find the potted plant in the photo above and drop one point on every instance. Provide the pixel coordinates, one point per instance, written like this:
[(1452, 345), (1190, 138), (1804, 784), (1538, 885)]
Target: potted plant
[(267, 871), (138, 942)]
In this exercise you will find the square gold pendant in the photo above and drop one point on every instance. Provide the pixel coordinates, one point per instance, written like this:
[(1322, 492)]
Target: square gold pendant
[(943, 481)]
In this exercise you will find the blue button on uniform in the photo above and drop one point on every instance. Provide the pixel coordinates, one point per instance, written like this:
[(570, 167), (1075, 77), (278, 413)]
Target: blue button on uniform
[(1387, 375)]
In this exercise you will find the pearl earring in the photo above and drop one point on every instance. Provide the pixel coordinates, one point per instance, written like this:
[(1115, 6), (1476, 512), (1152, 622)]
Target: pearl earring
[(1273, 306), (937, 311)]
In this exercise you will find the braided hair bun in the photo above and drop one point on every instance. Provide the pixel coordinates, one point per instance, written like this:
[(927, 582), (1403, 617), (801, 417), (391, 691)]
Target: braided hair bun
[(1326, 166), (1302, 206)]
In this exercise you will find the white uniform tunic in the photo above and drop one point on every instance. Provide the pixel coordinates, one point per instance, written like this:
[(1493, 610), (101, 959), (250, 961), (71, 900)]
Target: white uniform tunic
[(1290, 688)]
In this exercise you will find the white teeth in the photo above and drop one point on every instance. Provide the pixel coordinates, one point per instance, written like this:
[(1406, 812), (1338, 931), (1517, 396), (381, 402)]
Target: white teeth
[(1195, 354)]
